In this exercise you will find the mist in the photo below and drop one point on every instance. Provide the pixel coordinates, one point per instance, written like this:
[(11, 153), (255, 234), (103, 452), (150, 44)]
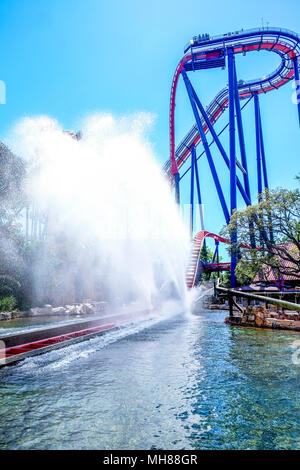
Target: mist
[(108, 225)]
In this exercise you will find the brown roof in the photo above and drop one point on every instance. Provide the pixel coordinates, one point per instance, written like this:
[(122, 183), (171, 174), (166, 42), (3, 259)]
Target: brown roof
[(269, 274)]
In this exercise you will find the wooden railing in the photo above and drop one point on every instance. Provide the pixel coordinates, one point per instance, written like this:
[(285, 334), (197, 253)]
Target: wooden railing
[(231, 293)]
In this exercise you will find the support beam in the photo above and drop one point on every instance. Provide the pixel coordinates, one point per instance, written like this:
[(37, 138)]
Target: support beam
[(214, 257), (216, 253), (232, 151), (199, 193), (258, 149), (218, 143), (177, 188), (297, 83), (265, 175), (210, 144), (258, 157), (240, 129), (241, 135), (262, 153), (207, 149), (193, 154)]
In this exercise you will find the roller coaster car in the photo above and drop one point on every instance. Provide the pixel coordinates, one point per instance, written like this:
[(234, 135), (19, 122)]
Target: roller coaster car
[(214, 54), (201, 38), (197, 40), (208, 60)]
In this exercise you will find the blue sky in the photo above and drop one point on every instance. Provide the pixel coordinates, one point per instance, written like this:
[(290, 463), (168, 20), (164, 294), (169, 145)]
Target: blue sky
[(67, 58)]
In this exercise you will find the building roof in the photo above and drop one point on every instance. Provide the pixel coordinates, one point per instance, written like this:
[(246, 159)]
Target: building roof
[(270, 274)]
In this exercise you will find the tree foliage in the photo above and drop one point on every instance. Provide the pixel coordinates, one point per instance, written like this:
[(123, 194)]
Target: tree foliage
[(12, 177), (274, 224), (206, 257), (14, 270), (206, 254)]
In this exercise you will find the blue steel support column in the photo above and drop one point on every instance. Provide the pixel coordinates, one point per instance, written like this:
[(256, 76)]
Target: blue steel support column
[(177, 188), (193, 155), (233, 201), (297, 82), (258, 149), (217, 243), (219, 145), (258, 154), (265, 174), (262, 152), (241, 135), (206, 147), (243, 151), (218, 135), (215, 254), (199, 195)]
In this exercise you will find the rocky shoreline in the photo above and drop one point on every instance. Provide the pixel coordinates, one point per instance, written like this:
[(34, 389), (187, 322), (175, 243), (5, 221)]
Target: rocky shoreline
[(78, 309), (262, 317)]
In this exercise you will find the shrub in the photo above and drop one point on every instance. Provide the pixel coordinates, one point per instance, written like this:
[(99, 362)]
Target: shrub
[(7, 304)]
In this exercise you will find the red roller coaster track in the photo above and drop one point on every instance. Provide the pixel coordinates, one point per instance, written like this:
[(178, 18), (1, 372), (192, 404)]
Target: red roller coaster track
[(280, 41), (194, 260)]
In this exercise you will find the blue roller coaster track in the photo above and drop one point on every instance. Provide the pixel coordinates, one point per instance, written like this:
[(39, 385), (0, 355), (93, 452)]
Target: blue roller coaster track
[(205, 52)]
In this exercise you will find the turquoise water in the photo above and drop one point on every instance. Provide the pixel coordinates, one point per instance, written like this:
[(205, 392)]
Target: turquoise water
[(188, 382)]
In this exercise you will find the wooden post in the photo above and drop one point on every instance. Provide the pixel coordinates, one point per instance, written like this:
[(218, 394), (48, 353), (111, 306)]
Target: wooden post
[(230, 301)]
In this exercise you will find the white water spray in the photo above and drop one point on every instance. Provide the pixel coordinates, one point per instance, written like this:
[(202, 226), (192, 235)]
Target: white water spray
[(107, 200)]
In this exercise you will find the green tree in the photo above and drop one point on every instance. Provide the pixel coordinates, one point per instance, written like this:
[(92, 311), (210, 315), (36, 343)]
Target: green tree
[(14, 271), (206, 257), (206, 254), (275, 225)]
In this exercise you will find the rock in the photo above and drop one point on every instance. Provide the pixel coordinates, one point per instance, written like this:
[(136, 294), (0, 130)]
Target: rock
[(261, 315), (5, 316), (72, 310), (269, 322), (47, 308), (285, 323), (282, 323), (38, 311), (58, 310), (87, 308), (259, 319), (262, 308), (82, 309), (35, 311)]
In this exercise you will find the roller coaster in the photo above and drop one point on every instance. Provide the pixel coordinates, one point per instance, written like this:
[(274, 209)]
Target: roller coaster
[(205, 52), (202, 52)]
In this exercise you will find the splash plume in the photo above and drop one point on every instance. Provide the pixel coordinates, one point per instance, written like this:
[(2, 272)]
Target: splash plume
[(108, 206)]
